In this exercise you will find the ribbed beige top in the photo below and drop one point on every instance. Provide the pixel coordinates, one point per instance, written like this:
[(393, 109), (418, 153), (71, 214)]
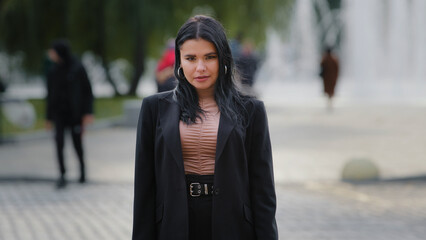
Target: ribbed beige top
[(199, 140)]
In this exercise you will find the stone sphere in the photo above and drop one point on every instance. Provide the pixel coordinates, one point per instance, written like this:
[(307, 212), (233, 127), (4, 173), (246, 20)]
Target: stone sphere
[(360, 170)]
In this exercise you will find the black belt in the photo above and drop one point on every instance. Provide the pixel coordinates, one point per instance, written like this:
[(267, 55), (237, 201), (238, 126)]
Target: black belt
[(200, 189)]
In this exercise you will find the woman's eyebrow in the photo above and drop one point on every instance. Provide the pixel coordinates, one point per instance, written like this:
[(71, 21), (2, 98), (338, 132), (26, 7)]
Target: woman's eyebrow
[(193, 55)]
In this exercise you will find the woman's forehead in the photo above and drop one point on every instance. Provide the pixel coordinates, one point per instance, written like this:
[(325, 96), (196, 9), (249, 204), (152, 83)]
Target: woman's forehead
[(197, 46)]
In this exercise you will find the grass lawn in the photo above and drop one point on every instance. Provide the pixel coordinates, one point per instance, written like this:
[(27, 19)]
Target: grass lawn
[(104, 108)]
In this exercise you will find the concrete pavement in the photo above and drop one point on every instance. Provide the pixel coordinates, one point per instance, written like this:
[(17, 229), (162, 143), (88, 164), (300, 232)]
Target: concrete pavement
[(306, 211)]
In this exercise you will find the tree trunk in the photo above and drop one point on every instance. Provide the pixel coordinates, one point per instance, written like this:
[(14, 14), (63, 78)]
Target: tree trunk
[(139, 57), (138, 63), (108, 76), (100, 46)]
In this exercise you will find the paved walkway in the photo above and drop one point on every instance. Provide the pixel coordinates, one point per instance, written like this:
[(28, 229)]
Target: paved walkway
[(308, 211), (310, 146)]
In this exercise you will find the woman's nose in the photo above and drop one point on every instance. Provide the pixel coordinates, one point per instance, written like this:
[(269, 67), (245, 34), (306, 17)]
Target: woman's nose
[(201, 66)]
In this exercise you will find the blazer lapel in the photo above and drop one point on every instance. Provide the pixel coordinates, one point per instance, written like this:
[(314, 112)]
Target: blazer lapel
[(169, 122), (225, 128)]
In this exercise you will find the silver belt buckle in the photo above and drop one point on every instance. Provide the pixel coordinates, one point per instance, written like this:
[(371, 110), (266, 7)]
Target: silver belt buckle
[(191, 192)]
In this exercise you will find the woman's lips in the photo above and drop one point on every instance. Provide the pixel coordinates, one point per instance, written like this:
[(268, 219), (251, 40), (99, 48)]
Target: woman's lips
[(201, 78)]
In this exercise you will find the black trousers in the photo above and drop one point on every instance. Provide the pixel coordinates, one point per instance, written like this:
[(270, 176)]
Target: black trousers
[(61, 125), (200, 210)]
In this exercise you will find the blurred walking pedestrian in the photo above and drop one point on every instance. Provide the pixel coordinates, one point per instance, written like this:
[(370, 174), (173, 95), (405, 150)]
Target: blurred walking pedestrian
[(247, 64), (235, 45), (329, 74), (164, 75), (203, 153), (69, 104)]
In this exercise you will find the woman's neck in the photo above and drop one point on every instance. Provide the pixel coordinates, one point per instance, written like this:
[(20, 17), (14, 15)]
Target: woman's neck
[(206, 94)]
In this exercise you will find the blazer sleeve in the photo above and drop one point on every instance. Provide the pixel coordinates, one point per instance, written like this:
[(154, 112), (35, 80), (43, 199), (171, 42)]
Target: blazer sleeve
[(144, 188), (262, 187)]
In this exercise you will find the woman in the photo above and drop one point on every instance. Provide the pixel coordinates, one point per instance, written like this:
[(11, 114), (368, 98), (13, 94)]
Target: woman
[(329, 74), (69, 104), (203, 155)]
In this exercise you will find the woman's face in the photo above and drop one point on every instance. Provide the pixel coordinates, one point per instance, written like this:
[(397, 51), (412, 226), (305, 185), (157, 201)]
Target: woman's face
[(53, 56), (200, 64)]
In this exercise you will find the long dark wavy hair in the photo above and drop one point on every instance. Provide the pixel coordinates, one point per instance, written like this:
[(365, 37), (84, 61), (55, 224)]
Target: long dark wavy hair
[(230, 101)]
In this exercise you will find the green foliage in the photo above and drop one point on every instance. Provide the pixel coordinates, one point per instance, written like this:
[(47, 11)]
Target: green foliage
[(27, 26), (123, 28), (110, 107)]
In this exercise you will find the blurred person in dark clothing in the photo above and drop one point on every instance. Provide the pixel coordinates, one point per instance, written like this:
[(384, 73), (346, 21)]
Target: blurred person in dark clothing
[(164, 74), (69, 103), (235, 45), (247, 64), (329, 74)]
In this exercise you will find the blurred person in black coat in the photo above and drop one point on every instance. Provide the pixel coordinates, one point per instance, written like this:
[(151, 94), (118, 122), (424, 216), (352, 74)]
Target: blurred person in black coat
[(247, 64), (69, 103)]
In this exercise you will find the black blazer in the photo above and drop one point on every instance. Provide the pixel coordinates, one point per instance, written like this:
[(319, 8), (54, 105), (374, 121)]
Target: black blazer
[(244, 201), (69, 90)]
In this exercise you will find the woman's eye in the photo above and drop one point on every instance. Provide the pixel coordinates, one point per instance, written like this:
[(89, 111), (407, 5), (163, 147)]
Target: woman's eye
[(190, 58), (211, 57)]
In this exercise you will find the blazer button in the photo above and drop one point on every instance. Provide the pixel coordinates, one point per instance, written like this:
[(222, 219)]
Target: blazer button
[(216, 191)]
